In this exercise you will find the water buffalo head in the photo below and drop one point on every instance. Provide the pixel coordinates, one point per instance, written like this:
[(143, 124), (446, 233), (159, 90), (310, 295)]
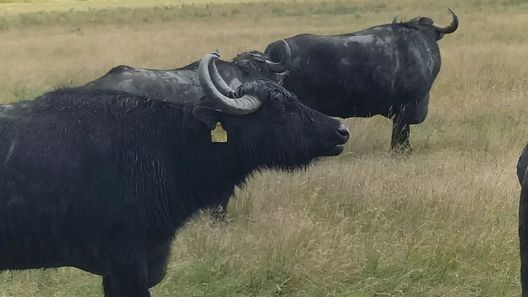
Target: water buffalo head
[(427, 24), (256, 64), (266, 124)]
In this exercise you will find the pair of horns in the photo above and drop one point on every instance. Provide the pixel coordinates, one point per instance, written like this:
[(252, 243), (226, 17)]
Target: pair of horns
[(221, 93)]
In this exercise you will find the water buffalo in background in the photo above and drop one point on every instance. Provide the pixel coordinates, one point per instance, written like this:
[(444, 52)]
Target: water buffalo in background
[(182, 84), (101, 179), (522, 174), (385, 70)]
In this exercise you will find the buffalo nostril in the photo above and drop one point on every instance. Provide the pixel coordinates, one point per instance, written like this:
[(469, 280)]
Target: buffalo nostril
[(343, 131)]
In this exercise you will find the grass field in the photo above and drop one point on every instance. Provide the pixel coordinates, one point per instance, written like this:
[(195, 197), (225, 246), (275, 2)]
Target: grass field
[(35, 6), (440, 222)]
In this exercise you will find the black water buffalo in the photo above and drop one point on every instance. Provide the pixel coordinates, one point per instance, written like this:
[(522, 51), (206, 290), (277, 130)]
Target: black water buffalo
[(384, 70), (522, 174), (182, 84), (101, 179)]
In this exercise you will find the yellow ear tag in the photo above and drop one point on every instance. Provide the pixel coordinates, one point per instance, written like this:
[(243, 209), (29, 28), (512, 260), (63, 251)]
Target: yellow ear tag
[(218, 134)]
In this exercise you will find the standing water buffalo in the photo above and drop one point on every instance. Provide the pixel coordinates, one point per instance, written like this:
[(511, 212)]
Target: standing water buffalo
[(384, 70), (101, 179), (522, 174)]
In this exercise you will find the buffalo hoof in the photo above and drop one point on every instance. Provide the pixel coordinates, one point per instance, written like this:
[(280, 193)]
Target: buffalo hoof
[(404, 149)]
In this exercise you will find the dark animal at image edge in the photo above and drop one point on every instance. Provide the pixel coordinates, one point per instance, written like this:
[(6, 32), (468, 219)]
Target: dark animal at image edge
[(182, 85), (522, 175), (385, 70), (100, 179)]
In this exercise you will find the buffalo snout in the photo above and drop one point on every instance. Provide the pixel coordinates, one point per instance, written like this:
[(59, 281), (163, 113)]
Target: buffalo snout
[(337, 140), (343, 132)]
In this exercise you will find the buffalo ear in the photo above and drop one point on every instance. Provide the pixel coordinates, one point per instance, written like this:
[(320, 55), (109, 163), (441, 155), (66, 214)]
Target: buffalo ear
[(208, 115)]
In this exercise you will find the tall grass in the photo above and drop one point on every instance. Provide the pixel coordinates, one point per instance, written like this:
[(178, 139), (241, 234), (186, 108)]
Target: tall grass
[(441, 222)]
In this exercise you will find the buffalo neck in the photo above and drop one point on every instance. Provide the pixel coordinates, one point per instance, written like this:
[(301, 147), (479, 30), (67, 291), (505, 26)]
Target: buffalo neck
[(202, 173)]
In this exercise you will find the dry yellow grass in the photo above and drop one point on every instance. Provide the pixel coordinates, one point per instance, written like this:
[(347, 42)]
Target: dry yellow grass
[(9, 7), (441, 222)]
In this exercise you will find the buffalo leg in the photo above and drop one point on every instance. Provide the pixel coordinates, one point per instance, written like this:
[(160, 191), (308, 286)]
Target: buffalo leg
[(108, 289), (412, 113), (127, 277), (400, 134), (523, 236), (157, 263), (125, 286)]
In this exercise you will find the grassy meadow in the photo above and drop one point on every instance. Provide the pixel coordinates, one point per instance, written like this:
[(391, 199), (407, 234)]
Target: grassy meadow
[(440, 222)]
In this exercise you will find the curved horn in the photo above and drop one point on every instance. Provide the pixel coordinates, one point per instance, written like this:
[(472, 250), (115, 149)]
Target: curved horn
[(282, 65), (236, 106), (222, 86), (220, 83), (395, 20), (452, 27)]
